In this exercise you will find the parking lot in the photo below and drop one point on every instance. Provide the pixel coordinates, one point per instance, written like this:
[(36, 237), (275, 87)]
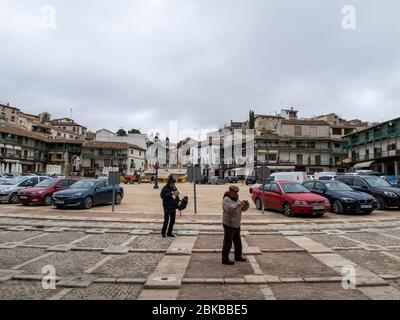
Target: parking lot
[(142, 201)]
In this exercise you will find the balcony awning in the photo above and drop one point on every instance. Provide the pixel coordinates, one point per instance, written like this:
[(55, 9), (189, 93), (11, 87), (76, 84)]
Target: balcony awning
[(361, 165)]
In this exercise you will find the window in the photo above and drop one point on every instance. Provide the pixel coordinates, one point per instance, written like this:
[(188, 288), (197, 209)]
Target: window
[(12, 118), (101, 184), (337, 145), (64, 184), (299, 159), (318, 160), (320, 187), (313, 131), (312, 145), (347, 180), (274, 187), (297, 131), (360, 183), (337, 131), (309, 185), (391, 147), (140, 153)]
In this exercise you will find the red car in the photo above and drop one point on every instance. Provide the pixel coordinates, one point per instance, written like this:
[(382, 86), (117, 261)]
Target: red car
[(291, 198), (42, 193)]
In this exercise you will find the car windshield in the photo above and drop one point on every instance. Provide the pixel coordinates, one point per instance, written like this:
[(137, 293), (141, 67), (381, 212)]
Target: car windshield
[(84, 184), (14, 181), (337, 186), (47, 183), (376, 182), (294, 188)]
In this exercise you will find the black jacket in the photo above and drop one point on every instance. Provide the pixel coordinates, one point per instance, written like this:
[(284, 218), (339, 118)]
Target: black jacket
[(169, 202)]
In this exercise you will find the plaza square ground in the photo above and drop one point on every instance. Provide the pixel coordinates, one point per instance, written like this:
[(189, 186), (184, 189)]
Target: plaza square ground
[(102, 255)]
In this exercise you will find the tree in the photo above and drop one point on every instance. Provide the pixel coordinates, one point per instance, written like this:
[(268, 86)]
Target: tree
[(134, 131), (121, 133)]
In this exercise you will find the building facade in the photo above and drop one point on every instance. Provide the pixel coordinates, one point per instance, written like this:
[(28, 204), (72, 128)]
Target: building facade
[(376, 148)]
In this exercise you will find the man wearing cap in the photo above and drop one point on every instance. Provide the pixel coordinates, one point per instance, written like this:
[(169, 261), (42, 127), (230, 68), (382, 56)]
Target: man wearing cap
[(169, 195), (232, 216)]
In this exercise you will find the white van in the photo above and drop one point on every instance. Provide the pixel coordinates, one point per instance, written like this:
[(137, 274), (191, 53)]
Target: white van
[(299, 177)]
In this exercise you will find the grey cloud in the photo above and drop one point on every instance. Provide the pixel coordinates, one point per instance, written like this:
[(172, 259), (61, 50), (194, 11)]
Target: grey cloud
[(203, 63)]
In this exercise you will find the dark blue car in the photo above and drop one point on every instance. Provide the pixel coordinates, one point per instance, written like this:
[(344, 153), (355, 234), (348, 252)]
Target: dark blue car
[(87, 193), (342, 197)]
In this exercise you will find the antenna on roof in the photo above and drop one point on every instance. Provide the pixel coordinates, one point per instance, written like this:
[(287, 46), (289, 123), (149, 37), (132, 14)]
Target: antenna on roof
[(70, 113)]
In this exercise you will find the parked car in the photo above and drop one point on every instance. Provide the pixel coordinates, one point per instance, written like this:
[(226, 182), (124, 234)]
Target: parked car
[(318, 175), (87, 193), (385, 194), (9, 189), (231, 179), (202, 180), (250, 180), (394, 182), (327, 178), (292, 198), (342, 197), (58, 176), (368, 173), (132, 179), (42, 193), (2, 181), (216, 180), (102, 176), (298, 177)]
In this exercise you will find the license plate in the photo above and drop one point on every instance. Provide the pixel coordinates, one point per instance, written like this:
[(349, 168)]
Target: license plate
[(23, 197), (59, 202), (366, 206), (319, 208)]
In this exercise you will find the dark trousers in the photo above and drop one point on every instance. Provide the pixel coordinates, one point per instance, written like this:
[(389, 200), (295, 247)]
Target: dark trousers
[(169, 217), (231, 235)]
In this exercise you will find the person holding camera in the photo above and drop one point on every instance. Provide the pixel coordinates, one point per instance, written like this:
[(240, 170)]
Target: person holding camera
[(170, 199), (232, 216)]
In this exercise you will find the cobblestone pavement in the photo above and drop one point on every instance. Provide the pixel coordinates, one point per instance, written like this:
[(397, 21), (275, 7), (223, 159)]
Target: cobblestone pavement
[(114, 257)]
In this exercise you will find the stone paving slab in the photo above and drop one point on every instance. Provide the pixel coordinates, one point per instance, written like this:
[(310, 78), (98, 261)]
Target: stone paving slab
[(208, 265), (68, 263), (132, 265), (182, 246), (99, 291), (15, 256), (314, 291), (220, 292), (169, 273), (294, 264), (270, 242), (77, 281)]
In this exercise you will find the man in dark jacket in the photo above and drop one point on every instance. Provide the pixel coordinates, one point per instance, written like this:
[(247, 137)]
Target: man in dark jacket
[(170, 197)]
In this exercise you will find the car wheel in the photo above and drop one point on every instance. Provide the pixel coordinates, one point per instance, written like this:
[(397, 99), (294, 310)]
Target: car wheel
[(128, 182), (88, 202), (118, 199), (14, 198), (381, 203), (258, 204), (337, 207), (47, 201), (287, 210)]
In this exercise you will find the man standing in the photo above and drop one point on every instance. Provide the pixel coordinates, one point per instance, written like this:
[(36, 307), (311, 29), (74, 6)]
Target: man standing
[(170, 197), (232, 216)]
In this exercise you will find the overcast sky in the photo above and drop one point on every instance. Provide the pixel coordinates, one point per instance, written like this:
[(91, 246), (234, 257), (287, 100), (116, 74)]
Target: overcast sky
[(141, 63)]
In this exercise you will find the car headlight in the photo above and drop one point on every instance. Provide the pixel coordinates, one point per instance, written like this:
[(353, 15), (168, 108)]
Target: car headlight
[(349, 199), (77, 195), (390, 194), (300, 203)]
